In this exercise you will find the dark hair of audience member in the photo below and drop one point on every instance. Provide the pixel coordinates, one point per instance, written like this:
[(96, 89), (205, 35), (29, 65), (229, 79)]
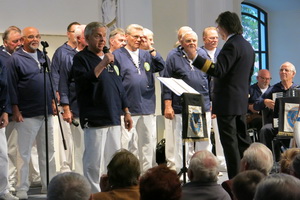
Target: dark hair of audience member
[(160, 183), (278, 187), (123, 170), (244, 184), (67, 186)]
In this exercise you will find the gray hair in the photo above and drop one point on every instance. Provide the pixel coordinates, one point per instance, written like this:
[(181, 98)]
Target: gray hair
[(205, 166), (258, 156), (89, 29), (278, 187), (79, 30), (69, 185), (293, 68), (132, 27)]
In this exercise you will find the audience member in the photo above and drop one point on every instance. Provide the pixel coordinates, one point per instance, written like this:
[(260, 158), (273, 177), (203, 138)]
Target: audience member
[(122, 179), (295, 168), (160, 183), (287, 158), (26, 88), (69, 186), (116, 39), (137, 68), (203, 174), (254, 118), (244, 184), (287, 73), (4, 111), (256, 157), (179, 66), (68, 101), (232, 73), (278, 187), (101, 98)]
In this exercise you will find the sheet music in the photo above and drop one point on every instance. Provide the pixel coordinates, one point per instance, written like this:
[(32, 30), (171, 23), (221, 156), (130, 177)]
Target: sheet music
[(277, 95), (177, 86)]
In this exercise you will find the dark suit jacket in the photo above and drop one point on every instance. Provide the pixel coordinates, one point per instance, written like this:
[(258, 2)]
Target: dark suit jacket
[(232, 72)]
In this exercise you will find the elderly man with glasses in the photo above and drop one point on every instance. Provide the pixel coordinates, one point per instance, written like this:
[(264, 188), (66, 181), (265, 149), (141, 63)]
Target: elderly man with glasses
[(287, 73), (137, 68)]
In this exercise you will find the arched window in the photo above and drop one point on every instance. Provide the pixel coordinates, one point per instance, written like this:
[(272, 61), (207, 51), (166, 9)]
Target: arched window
[(255, 24)]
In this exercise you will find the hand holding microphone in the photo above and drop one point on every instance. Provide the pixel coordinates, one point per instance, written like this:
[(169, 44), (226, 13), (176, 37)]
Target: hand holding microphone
[(110, 58)]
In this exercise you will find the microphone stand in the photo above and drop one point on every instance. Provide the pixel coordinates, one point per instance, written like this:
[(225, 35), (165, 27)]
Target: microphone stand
[(46, 70)]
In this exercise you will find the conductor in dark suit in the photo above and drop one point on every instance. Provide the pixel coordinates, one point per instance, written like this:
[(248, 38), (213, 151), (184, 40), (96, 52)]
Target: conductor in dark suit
[(232, 73)]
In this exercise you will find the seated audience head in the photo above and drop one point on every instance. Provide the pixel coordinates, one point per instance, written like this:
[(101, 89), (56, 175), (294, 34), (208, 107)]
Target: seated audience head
[(244, 184), (123, 170), (296, 166), (278, 187), (287, 158), (263, 78), (160, 183), (204, 167), (69, 185), (258, 156)]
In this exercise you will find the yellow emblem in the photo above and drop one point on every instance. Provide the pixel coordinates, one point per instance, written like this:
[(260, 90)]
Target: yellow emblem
[(116, 70), (147, 66)]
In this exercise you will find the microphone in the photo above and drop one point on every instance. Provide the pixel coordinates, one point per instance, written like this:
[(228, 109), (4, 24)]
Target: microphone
[(106, 50), (44, 44)]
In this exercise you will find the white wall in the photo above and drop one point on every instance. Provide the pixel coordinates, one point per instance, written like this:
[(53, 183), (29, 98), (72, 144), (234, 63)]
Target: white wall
[(284, 42)]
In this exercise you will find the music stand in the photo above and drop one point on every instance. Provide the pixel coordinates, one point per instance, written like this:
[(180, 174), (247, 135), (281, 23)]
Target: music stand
[(194, 127)]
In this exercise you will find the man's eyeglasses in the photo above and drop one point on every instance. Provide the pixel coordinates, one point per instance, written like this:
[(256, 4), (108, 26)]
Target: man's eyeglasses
[(265, 79), (31, 37)]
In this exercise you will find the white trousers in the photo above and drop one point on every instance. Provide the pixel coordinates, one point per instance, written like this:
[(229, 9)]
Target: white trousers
[(218, 146), (65, 156), (173, 148), (141, 139), (78, 142), (28, 131), (13, 156), (4, 184), (100, 145)]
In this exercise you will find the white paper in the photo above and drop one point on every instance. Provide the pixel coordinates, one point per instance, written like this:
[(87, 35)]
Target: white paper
[(178, 86)]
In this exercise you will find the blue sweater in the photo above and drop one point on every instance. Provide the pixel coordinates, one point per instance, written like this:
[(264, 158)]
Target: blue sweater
[(178, 66), (26, 83), (100, 100), (139, 87)]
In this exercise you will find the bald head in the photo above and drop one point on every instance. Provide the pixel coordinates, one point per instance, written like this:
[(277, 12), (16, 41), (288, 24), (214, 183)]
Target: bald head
[(31, 39)]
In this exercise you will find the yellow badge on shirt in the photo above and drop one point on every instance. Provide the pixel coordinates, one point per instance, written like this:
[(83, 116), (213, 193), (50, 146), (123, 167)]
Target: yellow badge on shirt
[(147, 66), (116, 70)]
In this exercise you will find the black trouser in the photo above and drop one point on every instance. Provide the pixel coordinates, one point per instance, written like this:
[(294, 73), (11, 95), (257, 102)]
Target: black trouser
[(235, 140)]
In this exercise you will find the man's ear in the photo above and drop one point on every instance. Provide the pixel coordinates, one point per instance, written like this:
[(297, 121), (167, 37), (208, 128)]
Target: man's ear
[(190, 174)]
